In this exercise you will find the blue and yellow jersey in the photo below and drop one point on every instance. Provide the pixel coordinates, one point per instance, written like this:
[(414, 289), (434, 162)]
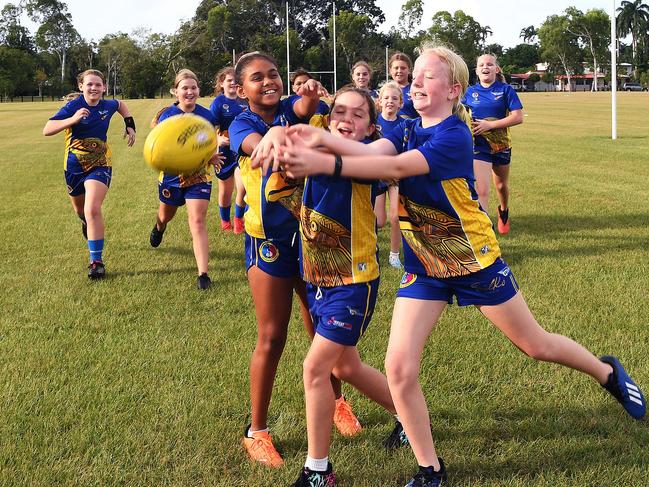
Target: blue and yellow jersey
[(445, 232), (202, 175), (492, 103), (85, 142), (225, 110), (387, 126), (273, 199), (338, 230), (408, 109), (321, 117)]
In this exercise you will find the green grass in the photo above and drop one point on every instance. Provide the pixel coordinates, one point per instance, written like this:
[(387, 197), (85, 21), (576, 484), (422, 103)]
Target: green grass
[(142, 379)]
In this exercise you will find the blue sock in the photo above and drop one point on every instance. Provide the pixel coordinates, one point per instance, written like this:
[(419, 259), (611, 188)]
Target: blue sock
[(239, 211), (225, 213), (96, 248)]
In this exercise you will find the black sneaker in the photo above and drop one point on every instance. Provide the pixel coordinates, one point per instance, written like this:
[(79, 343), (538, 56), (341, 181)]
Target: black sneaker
[(84, 229), (156, 236), (427, 477), (204, 281), (96, 270), (397, 438), (309, 478)]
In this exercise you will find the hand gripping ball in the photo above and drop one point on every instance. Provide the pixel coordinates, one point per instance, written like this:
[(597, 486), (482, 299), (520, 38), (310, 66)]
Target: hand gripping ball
[(180, 144)]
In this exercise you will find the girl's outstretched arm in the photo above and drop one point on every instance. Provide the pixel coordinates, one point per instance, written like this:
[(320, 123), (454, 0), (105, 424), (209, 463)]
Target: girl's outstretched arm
[(316, 137), (299, 161), (130, 123), (310, 93)]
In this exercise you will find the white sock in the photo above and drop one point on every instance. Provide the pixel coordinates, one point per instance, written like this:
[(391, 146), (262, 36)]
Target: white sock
[(316, 464), (250, 431), (394, 254)]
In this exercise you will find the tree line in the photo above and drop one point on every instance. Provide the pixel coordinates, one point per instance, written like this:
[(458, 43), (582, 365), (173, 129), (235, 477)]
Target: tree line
[(141, 64)]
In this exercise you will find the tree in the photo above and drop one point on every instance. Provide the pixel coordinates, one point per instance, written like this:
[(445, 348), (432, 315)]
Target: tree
[(56, 32), (592, 30), (521, 58), (353, 33), (410, 19), (12, 33), (461, 31), (633, 18), (114, 49), (559, 47), (16, 69), (528, 34)]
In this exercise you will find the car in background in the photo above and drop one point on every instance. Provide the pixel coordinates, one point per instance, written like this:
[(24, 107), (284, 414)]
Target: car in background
[(516, 86), (629, 86)]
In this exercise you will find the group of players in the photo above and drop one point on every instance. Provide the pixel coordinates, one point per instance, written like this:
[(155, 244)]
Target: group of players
[(311, 175)]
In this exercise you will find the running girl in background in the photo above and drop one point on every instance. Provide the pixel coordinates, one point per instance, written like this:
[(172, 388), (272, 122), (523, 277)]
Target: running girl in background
[(271, 229), (340, 266), (225, 107), (194, 189), (494, 107), (321, 116), (390, 102), (362, 76), (87, 163), (400, 66), (449, 245)]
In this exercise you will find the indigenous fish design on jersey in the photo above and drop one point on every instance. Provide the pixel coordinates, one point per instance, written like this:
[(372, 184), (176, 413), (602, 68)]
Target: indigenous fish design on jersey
[(286, 191), (437, 239), (326, 250), (90, 152)]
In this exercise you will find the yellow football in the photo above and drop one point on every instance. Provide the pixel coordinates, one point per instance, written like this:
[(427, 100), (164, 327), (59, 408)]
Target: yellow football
[(180, 144)]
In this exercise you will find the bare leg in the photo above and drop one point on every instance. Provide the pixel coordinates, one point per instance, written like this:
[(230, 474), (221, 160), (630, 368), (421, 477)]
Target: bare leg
[(78, 203), (482, 171), (95, 194), (272, 297), (379, 210), (196, 214), (515, 320), (241, 189), (412, 322), (501, 183), (165, 215), (395, 231), (225, 192)]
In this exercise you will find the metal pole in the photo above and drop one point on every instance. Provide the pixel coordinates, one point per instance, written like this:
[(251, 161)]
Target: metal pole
[(334, 17), (234, 57), (288, 55), (613, 74), (386, 64)]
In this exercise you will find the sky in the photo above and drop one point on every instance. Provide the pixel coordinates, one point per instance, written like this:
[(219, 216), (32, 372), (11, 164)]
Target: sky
[(164, 15)]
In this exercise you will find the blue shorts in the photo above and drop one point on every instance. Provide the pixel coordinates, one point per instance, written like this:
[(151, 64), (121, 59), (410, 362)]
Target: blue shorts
[(74, 181), (501, 158), (341, 313), (279, 257), (490, 286), (229, 165), (175, 196)]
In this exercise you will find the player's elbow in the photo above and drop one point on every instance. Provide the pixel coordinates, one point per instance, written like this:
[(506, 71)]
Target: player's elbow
[(47, 130)]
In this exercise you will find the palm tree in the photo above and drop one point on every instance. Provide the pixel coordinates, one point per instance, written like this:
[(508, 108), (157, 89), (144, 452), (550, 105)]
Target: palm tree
[(633, 18), (528, 34)]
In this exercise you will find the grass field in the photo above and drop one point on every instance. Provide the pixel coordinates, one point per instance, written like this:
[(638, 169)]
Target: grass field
[(142, 380)]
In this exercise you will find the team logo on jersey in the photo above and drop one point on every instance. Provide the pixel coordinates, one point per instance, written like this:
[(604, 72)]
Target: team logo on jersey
[(484, 250), (103, 114), (226, 107), (362, 266), (332, 321), (475, 95), (268, 252), (505, 272), (408, 279), (352, 311), (166, 193)]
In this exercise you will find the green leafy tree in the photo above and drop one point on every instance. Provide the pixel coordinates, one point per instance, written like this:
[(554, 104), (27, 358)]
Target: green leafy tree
[(529, 34), (633, 19), (521, 58), (592, 29), (560, 48), (16, 71), (461, 31), (411, 14), (114, 50), (12, 33), (56, 33)]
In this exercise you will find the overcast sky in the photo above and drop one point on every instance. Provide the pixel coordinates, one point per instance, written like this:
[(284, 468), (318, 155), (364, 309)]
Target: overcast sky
[(165, 15)]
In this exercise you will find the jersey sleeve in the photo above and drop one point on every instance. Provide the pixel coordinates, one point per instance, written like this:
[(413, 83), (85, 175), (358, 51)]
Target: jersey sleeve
[(164, 114), (513, 102), (240, 128), (215, 108), (449, 153), (396, 136), (66, 111)]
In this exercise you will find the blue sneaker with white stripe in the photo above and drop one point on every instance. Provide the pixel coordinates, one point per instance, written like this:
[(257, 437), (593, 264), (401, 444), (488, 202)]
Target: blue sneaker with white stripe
[(622, 387)]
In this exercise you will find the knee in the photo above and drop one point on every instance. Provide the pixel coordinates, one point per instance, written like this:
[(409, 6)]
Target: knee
[(482, 190), (539, 349), (402, 374), (314, 375), (197, 224), (380, 221), (92, 212), (271, 344), (501, 186), (343, 372)]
